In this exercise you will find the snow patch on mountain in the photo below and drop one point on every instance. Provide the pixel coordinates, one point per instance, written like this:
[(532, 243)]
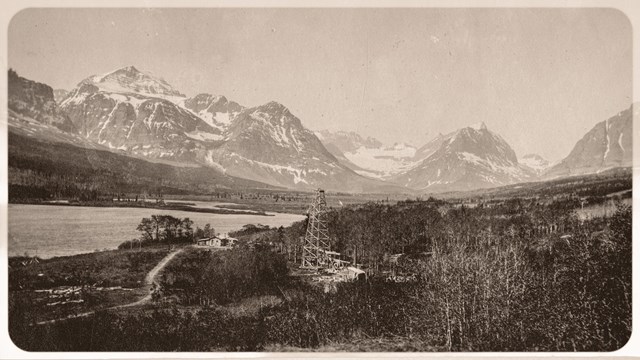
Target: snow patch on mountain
[(216, 120), (297, 174), (534, 161), (479, 126), (131, 80), (384, 161), (203, 136), (607, 145), (368, 156), (620, 142), (469, 158)]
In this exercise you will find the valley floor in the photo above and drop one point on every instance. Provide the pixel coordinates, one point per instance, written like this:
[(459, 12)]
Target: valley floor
[(505, 274)]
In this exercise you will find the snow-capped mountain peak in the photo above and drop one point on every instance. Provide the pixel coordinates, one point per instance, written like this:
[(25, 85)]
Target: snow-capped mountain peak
[(137, 112), (270, 143), (479, 126), (471, 157), (276, 114), (481, 142), (274, 107), (131, 80)]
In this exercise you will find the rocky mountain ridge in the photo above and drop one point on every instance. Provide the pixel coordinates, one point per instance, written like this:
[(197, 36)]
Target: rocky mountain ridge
[(469, 158), (607, 145), (140, 115), (133, 112)]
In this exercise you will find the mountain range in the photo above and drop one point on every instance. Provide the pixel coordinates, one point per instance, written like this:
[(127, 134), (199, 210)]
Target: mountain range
[(136, 114)]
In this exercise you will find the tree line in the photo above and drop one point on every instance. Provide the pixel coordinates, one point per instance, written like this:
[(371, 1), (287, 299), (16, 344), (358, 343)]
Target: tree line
[(167, 229)]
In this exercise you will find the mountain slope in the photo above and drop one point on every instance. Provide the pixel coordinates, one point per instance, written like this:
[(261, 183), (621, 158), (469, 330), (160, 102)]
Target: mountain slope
[(33, 113), (136, 114), (368, 156), (216, 111), (269, 143), (607, 145), (432, 146), (131, 80), (43, 169), (35, 101), (469, 158), (116, 111), (59, 95), (46, 154), (347, 141), (535, 162)]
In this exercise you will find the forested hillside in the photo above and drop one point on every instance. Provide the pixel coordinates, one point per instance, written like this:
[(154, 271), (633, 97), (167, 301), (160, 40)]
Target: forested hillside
[(41, 170)]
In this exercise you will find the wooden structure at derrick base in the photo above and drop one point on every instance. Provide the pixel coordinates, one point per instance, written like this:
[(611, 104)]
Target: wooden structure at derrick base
[(316, 239)]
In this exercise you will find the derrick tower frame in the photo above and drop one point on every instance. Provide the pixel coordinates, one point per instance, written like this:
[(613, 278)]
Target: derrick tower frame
[(316, 239)]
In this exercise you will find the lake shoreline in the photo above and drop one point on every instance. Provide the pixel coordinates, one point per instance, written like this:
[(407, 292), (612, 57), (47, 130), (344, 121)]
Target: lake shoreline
[(48, 230), (132, 204)]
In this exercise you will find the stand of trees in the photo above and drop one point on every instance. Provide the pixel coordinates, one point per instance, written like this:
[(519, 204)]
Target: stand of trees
[(166, 228), (490, 283), (372, 231), (162, 229), (205, 232)]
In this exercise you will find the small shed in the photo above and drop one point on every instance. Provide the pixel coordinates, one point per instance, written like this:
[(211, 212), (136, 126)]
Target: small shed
[(213, 241), (217, 241), (204, 242)]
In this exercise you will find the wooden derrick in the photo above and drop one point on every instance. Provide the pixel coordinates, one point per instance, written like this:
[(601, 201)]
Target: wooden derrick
[(316, 240)]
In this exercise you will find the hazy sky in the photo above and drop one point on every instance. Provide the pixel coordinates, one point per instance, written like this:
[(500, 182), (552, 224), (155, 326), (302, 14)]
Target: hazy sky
[(540, 78)]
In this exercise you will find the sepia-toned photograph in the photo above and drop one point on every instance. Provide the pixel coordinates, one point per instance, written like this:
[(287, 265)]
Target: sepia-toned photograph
[(284, 179)]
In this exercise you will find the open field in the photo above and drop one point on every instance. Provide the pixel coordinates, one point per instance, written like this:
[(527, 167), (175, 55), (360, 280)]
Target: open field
[(62, 286), (292, 202)]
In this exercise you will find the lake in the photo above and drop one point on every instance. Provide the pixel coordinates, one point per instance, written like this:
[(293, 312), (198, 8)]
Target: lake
[(51, 230)]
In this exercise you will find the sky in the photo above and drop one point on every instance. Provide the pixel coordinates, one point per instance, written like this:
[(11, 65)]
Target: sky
[(541, 78)]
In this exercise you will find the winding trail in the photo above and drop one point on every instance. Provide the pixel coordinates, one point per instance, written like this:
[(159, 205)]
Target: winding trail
[(149, 280)]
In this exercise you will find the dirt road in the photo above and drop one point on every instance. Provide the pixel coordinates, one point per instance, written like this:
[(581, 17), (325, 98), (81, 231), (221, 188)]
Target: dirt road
[(148, 280)]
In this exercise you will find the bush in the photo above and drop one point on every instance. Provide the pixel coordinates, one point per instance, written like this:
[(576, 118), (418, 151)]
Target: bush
[(202, 330), (224, 276)]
